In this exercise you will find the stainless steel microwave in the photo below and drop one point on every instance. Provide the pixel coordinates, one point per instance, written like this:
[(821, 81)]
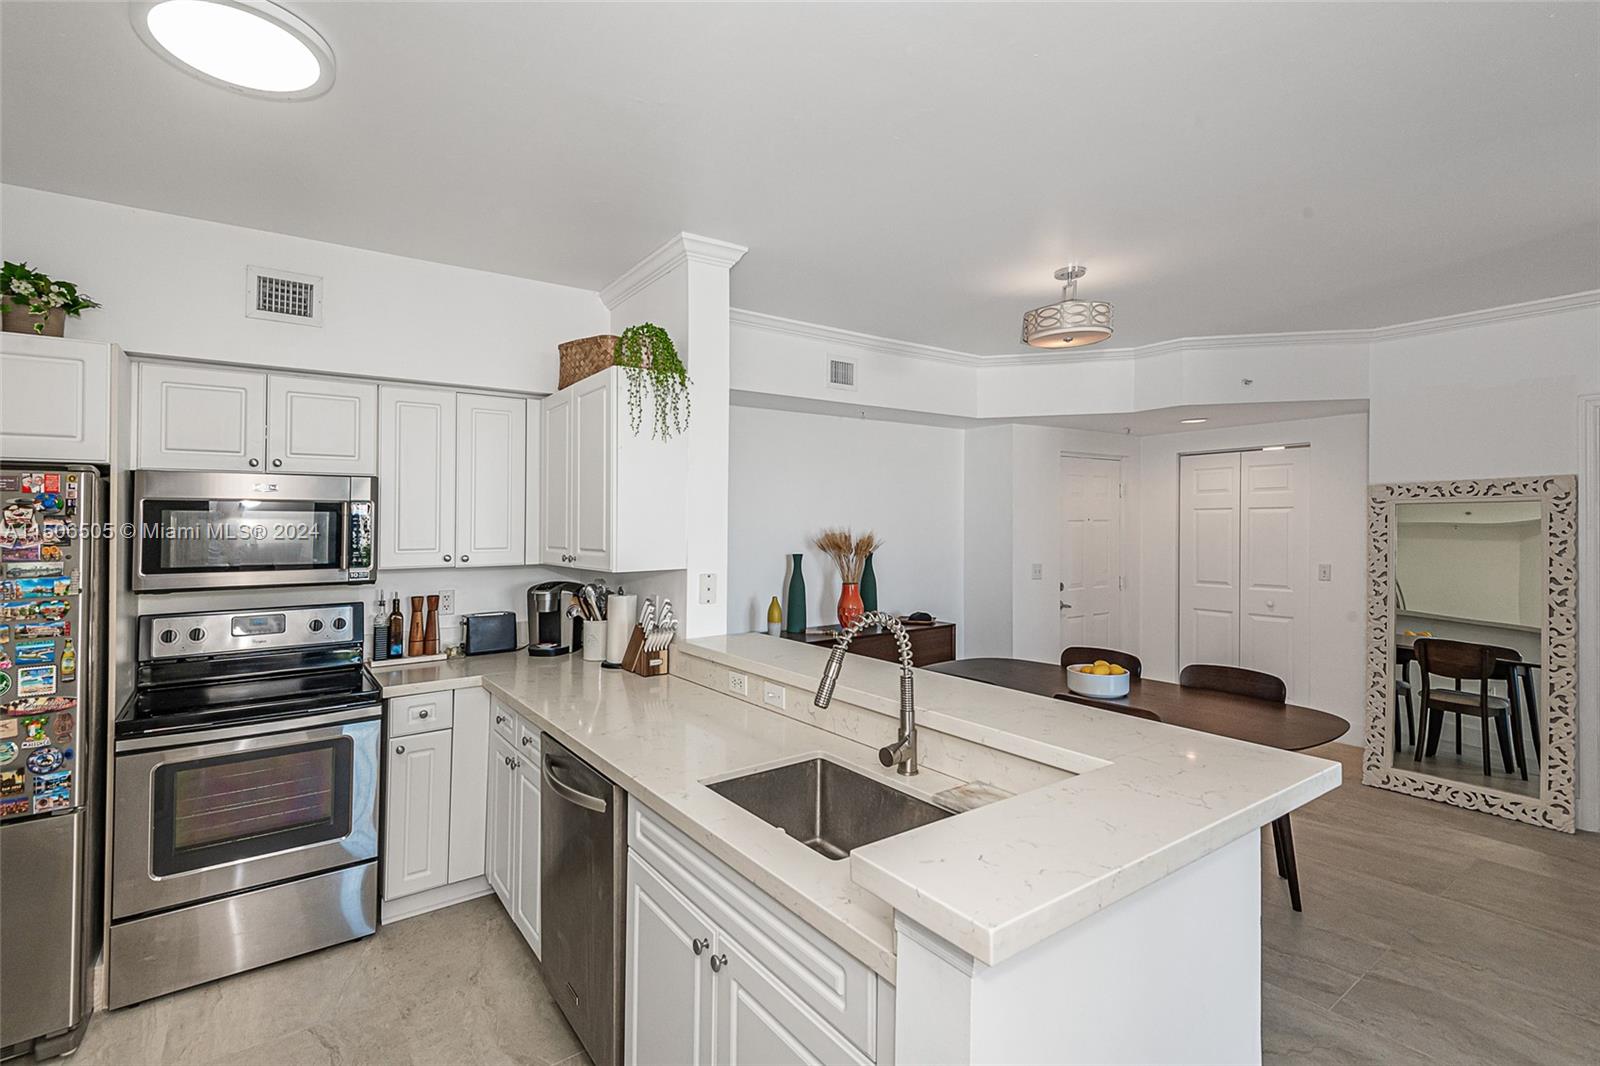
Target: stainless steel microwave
[(202, 530)]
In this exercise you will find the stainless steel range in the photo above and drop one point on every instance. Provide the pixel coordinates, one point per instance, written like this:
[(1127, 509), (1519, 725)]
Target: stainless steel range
[(245, 826)]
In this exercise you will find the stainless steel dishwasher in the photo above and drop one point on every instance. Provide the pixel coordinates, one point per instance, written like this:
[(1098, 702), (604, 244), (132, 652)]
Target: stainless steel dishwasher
[(583, 838)]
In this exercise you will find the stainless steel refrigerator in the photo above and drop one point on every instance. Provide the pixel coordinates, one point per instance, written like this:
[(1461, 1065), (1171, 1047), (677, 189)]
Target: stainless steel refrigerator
[(52, 725)]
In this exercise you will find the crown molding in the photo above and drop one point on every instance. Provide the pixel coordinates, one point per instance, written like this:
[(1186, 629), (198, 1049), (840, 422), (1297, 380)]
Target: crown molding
[(670, 254), (833, 335), (909, 349)]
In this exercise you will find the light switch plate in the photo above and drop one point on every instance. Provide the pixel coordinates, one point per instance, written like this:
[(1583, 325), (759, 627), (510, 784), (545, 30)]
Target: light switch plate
[(1324, 571), (773, 695), (708, 588), (1038, 571)]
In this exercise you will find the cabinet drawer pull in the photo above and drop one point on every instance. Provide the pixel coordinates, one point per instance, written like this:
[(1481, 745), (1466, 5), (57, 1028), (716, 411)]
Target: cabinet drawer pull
[(399, 749), (423, 713), (700, 945), (718, 962)]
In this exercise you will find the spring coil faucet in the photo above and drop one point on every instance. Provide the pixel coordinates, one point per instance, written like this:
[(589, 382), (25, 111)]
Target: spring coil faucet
[(902, 754)]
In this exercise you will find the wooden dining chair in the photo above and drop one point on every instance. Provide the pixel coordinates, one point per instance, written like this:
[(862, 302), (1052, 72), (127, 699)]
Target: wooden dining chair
[(1270, 690), (1403, 658), (1461, 661), (1128, 662)]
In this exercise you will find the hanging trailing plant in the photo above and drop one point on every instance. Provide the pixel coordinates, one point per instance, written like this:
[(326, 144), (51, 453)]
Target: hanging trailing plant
[(651, 360)]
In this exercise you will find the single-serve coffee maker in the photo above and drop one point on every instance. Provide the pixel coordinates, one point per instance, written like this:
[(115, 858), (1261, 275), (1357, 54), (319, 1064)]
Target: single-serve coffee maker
[(553, 618)]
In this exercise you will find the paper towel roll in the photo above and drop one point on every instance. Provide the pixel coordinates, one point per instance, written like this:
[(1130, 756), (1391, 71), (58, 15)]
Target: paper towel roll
[(622, 614)]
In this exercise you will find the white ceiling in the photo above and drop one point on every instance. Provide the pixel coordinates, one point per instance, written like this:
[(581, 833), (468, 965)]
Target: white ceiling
[(914, 172)]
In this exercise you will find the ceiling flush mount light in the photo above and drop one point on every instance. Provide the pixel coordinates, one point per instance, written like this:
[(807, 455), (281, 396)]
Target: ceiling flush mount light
[(1191, 421), (1072, 323), (250, 46)]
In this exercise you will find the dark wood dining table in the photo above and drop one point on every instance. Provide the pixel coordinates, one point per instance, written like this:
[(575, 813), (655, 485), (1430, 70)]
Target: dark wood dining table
[(1275, 725)]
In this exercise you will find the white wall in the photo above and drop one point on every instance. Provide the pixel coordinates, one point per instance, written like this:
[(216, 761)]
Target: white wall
[(1334, 616), (987, 525), (1485, 571), (176, 286), (791, 474)]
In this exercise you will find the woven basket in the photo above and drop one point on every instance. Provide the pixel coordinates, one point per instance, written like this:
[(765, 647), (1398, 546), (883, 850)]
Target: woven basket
[(590, 355)]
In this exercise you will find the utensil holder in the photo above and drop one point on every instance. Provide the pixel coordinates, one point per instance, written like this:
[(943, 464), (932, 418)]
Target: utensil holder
[(594, 640), (642, 662)]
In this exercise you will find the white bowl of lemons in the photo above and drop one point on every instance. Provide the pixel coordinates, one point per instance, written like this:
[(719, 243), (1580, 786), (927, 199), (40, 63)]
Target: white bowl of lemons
[(1099, 678)]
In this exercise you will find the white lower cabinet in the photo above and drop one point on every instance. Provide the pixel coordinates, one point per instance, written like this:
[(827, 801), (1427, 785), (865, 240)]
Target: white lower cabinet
[(668, 991), (717, 972), (512, 825), (417, 815)]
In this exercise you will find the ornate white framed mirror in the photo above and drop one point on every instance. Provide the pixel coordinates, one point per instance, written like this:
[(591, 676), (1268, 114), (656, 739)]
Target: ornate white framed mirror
[(1472, 644)]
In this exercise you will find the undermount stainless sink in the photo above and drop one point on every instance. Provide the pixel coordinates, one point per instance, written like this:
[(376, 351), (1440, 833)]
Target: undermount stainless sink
[(828, 808)]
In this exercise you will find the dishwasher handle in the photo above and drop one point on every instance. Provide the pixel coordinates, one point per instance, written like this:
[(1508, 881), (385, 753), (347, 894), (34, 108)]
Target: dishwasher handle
[(570, 794)]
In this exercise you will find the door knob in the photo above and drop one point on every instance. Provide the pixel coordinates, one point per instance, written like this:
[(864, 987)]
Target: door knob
[(1065, 606), (399, 749), (700, 945), (277, 462), (1270, 605)]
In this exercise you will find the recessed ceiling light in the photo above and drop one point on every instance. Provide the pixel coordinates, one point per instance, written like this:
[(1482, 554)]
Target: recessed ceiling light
[(1191, 421), (250, 46)]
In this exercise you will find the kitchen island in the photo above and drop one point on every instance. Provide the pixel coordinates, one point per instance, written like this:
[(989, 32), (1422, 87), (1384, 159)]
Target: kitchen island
[(1113, 876)]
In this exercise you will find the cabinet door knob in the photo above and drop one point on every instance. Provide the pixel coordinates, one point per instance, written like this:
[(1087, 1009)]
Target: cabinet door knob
[(447, 558), (700, 945), (423, 713), (526, 741), (277, 462), (255, 462), (464, 558), (718, 962), (399, 749), (499, 719)]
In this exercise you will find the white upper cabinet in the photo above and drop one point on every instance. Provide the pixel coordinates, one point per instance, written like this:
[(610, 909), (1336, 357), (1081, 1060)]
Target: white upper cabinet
[(611, 500), (555, 480), (197, 417), (416, 472), (491, 480), (201, 418), (322, 425), (56, 399), (452, 478)]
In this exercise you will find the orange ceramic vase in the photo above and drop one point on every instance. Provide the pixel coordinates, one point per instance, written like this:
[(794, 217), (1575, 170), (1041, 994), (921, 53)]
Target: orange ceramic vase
[(850, 607)]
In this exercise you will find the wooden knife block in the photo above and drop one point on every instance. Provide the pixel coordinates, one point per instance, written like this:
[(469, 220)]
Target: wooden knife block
[(644, 663)]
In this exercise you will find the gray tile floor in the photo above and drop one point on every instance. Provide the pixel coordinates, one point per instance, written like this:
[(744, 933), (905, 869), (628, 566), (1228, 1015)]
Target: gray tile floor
[(1430, 935), (455, 986)]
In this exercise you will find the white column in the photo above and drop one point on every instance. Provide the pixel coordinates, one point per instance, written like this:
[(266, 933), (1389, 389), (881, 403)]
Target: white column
[(682, 287)]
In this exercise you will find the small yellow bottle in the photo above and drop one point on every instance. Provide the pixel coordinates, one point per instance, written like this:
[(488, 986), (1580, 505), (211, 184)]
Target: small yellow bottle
[(774, 618)]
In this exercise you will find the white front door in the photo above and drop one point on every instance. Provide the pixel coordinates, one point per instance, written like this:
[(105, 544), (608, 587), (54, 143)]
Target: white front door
[(1273, 550), (1208, 559), (1091, 552)]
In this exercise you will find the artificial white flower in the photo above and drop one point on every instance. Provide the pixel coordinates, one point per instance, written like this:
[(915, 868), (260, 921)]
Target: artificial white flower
[(23, 287)]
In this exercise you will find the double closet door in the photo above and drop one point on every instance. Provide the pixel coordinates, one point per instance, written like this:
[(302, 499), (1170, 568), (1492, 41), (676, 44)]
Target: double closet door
[(1243, 547)]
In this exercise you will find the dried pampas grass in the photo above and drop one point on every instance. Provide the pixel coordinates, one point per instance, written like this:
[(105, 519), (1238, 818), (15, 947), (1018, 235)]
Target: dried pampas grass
[(848, 552)]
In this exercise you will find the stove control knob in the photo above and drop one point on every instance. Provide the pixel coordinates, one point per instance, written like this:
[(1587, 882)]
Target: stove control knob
[(339, 623), (168, 636), (197, 634), (316, 625)]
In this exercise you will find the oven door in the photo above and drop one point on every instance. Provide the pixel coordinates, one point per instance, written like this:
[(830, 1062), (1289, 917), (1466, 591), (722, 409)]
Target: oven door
[(198, 530), (198, 820)]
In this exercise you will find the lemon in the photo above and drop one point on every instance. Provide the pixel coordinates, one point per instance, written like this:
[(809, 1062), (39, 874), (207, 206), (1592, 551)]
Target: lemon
[(1101, 662), (1117, 670), (1102, 670)]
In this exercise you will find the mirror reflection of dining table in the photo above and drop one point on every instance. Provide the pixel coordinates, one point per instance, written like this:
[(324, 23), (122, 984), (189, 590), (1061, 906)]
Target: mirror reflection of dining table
[(1274, 725)]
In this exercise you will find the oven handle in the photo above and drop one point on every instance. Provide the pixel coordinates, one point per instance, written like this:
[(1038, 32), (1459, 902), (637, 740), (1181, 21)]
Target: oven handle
[(572, 795), (252, 731)]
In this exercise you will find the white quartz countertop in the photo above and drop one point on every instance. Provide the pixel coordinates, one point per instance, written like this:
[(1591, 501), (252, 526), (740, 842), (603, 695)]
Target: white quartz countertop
[(661, 738), (1147, 797)]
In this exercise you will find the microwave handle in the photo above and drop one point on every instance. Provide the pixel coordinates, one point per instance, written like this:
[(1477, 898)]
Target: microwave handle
[(345, 533)]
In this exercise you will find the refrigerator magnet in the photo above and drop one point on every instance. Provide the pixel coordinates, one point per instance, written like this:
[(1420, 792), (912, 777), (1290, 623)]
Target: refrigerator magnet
[(8, 752), (36, 681), (12, 807), (45, 760), (33, 732), (13, 783)]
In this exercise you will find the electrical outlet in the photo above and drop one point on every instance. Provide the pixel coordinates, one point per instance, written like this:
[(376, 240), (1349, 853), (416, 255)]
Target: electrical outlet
[(1324, 571), (773, 695), (708, 588), (738, 684), (1038, 571), (447, 601)]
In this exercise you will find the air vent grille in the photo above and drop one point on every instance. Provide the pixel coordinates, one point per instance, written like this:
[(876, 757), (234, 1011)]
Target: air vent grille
[(841, 374), (280, 296)]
